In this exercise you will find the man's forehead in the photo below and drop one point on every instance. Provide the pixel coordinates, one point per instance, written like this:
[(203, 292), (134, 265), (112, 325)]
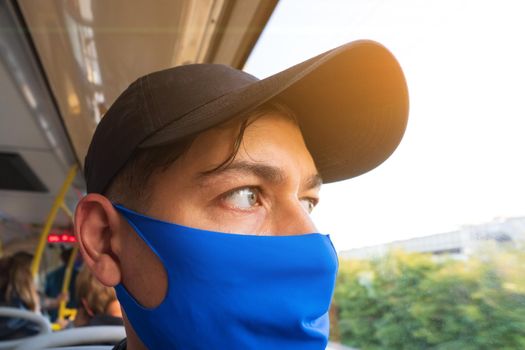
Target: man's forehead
[(267, 172), (253, 138), (263, 146)]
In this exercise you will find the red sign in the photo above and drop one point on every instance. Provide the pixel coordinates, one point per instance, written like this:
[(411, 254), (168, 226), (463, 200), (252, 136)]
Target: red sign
[(61, 237)]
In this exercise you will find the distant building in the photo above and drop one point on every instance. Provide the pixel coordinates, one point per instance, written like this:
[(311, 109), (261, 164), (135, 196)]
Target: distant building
[(460, 243)]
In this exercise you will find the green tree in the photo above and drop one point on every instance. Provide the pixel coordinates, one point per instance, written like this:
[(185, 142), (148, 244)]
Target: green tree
[(415, 301)]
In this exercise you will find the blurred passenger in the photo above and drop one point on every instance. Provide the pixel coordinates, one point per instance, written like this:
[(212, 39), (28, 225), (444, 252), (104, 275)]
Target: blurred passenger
[(97, 304), (17, 290), (54, 281), (18, 287), (23, 262)]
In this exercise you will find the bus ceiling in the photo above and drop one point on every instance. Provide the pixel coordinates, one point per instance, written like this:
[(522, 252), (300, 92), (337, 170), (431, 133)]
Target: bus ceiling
[(62, 64), (92, 50)]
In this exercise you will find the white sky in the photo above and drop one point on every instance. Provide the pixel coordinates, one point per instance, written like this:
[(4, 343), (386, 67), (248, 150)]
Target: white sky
[(461, 160)]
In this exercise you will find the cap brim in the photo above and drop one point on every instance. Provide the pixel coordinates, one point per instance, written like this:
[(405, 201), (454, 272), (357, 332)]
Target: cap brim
[(351, 103)]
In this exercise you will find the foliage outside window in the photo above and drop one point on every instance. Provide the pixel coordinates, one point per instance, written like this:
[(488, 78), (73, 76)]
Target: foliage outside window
[(418, 301)]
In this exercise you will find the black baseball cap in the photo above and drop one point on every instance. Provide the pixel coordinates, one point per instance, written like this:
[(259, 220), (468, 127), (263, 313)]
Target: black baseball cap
[(351, 103)]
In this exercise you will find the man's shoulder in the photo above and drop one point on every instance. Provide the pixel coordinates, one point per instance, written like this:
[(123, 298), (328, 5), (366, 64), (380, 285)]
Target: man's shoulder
[(121, 345)]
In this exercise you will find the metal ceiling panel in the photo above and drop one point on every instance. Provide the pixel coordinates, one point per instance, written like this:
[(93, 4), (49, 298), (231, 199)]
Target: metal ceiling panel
[(63, 62), (92, 50), (30, 127), (30, 207), (16, 121)]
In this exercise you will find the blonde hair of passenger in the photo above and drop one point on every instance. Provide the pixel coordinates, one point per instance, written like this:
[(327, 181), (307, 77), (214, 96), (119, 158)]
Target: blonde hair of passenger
[(93, 295), (17, 281)]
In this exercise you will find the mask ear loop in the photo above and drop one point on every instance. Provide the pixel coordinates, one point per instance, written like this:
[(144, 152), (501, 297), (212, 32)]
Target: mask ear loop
[(121, 288), (125, 212)]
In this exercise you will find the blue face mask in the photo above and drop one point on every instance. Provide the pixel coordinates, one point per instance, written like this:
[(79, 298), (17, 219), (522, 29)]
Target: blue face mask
[(229, 291)]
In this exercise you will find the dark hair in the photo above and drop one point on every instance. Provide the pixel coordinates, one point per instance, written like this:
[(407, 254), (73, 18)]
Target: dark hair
[(130, 185), (65, 254)]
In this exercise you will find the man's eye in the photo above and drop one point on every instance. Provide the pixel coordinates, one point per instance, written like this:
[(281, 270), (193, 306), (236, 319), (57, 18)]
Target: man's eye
[(243, 198), (308, 204)]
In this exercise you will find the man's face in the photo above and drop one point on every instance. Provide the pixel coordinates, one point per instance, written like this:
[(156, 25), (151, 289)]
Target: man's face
[(269, 189)]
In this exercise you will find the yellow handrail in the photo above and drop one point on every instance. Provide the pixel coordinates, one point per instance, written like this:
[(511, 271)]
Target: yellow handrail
[(66, 210), (62, 310), (59, 200)]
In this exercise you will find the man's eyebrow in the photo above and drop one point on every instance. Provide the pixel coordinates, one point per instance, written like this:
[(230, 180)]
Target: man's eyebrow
[(267, 172), (314, 181)]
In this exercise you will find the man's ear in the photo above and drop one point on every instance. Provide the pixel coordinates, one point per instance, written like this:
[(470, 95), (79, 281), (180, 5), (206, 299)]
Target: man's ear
[(99, 231)]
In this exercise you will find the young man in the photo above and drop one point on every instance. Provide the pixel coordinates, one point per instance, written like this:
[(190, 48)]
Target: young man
[(200, 182)]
